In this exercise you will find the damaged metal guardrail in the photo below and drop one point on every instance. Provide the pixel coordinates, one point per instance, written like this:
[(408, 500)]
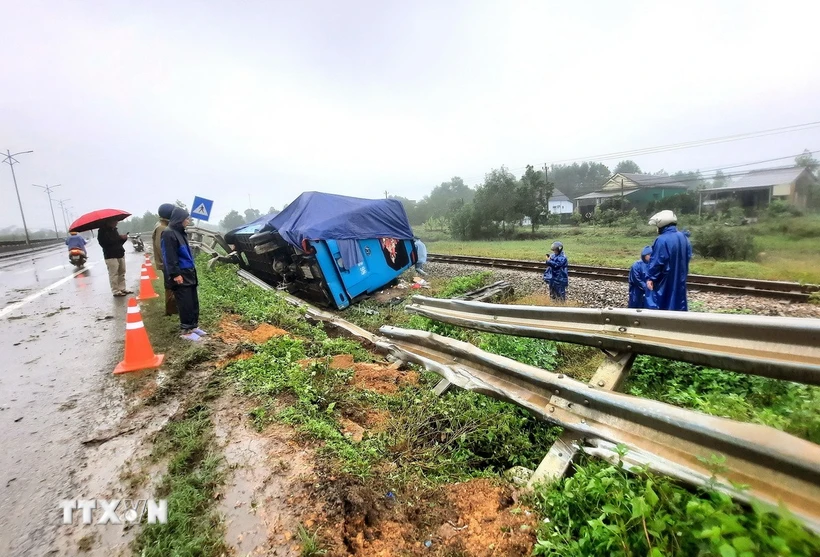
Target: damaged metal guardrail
[(772, 466), (778, 347), (776, 466)]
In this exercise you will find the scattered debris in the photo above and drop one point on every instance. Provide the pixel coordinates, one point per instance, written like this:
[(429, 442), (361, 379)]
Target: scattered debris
[(518, 475), (18, 419), (109, 436)]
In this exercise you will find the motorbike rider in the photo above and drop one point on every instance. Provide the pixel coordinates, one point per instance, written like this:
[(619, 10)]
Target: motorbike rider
[(75, 241)]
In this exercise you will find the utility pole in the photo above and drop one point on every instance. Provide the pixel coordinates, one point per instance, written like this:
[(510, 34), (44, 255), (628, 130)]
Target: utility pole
[(11, 161), (48, 189), (61, 203)]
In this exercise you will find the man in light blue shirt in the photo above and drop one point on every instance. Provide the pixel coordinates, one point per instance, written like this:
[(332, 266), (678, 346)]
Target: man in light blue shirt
[(421, 256)]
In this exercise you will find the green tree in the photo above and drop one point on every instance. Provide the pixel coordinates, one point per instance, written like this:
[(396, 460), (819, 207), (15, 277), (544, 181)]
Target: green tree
[(628, 166), (441, 200), (694, 179), (807, 160), (578, 179), (720, 179), (232, 220), (532, 196), (496, 199), (251, 215)]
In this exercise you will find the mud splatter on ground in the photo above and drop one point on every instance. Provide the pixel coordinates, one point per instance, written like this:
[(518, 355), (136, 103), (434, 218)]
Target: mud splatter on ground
[(267, 495), (232, 331)]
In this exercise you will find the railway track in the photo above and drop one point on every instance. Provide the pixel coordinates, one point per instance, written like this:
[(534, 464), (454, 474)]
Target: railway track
[(791, 291)]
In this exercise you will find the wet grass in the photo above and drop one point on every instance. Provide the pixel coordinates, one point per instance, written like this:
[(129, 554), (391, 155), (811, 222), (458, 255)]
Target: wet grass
[(194, 476), (781, 256)]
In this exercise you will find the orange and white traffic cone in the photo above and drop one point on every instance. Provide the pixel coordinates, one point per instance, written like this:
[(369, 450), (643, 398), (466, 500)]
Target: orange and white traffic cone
[(146, 288), (138, 352), (149, 269)]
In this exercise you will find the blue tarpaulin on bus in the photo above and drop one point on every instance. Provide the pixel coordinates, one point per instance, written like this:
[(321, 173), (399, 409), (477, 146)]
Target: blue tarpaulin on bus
[(326, 216)]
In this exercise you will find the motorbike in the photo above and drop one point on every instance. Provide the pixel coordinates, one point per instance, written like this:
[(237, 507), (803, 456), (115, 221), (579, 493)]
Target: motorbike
[(77, 257), (137, 242)]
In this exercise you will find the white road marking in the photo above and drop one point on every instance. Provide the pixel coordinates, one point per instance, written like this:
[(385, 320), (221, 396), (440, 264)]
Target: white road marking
[(30, 298), (57, 267)]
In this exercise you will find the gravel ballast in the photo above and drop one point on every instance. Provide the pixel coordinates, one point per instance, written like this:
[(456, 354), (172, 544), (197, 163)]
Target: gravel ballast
[(603, 293)]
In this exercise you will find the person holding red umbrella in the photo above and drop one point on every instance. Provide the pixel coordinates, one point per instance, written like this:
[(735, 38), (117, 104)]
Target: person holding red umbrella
[(111, 242)]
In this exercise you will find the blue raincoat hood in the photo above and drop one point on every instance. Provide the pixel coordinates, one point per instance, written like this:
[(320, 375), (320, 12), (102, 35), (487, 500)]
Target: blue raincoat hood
[(646, 251)]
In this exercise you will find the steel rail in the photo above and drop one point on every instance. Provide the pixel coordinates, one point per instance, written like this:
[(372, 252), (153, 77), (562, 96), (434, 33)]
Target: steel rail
[(778, 347), (775, 466), (728, 285)]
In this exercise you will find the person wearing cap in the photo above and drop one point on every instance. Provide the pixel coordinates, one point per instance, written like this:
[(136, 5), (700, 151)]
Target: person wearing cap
[(164, 213), (668, 267), (556, 275), (639, 296), (180, 273)]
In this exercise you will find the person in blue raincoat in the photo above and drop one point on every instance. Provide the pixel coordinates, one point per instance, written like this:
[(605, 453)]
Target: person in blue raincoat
[(556, 273), (639, 296), (669, 266)]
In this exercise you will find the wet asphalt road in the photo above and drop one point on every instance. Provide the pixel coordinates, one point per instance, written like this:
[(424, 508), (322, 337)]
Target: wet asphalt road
[(61, 334)]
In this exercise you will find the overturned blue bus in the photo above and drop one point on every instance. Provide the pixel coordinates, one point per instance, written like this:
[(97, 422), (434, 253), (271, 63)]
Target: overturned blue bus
[(331, 250)]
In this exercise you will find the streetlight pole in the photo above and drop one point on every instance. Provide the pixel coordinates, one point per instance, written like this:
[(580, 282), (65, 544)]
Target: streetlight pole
[(10, 160), (61, 203), (48, 189)]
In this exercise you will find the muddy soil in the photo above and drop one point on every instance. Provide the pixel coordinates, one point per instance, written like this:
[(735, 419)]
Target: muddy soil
[(268, 492)]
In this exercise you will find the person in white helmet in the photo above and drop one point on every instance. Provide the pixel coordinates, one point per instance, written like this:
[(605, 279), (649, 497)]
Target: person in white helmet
[(669, 266), (556, 275)]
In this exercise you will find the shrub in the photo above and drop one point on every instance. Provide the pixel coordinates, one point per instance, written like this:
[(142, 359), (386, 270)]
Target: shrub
[(720, 242)]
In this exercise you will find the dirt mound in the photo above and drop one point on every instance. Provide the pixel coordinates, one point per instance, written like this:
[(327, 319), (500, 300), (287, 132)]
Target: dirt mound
[(476, 518), (233, 332), (488, 523), (381, 378)]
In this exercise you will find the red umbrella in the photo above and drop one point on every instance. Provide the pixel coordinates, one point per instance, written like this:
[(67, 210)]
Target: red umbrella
[(95, 219)]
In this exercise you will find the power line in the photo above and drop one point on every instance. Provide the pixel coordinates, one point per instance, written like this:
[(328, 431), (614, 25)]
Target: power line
[(697, 143), (11, 161), (681, 145), (48, 189)]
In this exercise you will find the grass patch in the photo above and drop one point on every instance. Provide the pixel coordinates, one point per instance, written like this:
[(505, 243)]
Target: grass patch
[(194, 475), (605, 510), (791, 407), (787, 250)]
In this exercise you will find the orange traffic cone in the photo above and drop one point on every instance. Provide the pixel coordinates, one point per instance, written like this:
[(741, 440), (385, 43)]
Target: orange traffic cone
[(138, 352), (149, 269), (146, 288)]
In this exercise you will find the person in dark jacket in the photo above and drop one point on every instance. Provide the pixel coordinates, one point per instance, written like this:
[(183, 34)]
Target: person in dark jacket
[(669, 266), (164, 213), (639, 296), (111, 242), (180, 273), (556, 275)]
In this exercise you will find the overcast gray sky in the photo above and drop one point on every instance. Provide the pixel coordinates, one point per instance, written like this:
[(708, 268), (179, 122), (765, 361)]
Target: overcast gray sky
[(131, 104)]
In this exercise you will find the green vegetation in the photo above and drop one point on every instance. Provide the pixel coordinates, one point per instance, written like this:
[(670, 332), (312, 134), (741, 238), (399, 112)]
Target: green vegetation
[(311, 547), (194, 475), (605, 510), (791, 407), (600, 510), (785, 248)]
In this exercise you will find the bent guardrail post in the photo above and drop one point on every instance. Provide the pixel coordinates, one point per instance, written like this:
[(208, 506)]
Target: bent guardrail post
[(777, 467), (785, 348), (610, 375)]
